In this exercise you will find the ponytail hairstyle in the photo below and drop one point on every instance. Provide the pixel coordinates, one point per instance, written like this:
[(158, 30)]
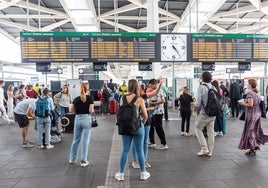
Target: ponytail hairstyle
[(84, 88), (253, 84)]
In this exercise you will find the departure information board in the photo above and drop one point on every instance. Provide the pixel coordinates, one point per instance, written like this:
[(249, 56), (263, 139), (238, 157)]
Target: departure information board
[(221, 47), (87, 47), (260, 47)]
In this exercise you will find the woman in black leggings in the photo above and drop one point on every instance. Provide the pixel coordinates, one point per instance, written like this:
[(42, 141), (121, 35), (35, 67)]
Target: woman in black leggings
[(185, 101)]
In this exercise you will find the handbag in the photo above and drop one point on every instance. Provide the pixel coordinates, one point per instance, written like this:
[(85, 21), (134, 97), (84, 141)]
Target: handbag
[(262, 108), (94, 121), (243, 116)]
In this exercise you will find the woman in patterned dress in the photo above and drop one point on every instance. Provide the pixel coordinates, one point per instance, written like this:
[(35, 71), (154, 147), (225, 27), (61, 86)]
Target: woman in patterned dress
[(252, 135)]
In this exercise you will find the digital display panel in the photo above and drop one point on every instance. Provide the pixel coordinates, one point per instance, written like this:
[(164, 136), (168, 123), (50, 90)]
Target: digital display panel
[(244, 66), (222, 47), (208, 66), (260, 47), (87, 47)]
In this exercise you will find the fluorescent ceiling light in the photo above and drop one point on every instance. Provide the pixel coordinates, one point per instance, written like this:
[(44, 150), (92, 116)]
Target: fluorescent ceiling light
[(76, 4), (87, 28), (81, 13)]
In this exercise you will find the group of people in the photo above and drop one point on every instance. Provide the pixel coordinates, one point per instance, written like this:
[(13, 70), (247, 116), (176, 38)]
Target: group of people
[(252, 135), (150, 102)]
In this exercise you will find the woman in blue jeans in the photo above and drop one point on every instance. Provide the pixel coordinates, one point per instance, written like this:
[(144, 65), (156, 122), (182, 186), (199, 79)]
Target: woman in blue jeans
[(82, 106), (147, 125), (137, 139)]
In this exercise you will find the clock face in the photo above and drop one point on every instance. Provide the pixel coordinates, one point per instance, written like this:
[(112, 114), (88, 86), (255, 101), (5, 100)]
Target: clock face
[(173, 47)]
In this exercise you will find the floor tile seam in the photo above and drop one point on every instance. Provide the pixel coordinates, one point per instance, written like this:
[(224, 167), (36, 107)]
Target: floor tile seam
[(113, 164)]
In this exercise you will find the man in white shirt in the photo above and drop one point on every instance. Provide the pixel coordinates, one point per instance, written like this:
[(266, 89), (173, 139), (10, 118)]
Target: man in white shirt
[(4, 115)]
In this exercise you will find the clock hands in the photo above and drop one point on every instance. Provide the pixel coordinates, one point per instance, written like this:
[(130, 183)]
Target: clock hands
[(176, 50)]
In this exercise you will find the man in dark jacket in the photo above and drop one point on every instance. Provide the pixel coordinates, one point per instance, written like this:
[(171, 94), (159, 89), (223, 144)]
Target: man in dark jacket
[(235, 95)]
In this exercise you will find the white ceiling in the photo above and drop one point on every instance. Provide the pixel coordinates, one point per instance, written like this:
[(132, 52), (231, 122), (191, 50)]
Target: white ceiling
[(205, 16)]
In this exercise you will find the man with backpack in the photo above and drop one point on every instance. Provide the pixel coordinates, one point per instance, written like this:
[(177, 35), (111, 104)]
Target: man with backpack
[(204, 118), (43, 107)]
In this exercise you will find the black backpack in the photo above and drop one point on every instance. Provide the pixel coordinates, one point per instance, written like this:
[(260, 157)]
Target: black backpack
[(214, 103), (128, 120)]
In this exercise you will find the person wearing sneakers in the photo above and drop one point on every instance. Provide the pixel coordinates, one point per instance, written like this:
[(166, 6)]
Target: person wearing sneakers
[(138, 138), (2, 107), (158, 103), (203, 120), (83, 107), (185, 101), (44, 122), (147, 125), (22, 111)]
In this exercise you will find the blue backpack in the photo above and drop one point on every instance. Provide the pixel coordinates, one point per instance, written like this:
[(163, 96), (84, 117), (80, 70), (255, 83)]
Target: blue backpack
[(41, 108)]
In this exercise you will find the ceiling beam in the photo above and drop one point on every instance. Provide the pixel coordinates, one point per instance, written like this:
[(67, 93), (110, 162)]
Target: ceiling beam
[(245, 29), (5, 4), (234, 12), (120, 10), (164, 24), (35, 7), (55, 25), (137, 18), (216, 27), (18, 25), (32, 16), (121, 26), (240, 20)]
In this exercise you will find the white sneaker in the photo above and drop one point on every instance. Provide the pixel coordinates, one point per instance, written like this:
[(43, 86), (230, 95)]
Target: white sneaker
[(119, 176), (41, 146), (203, 152), (209, 154), (220, 134), (216, 133), (49, 146), (147, 165), (145, 175), (84, 163), (135, 164), (11, 122), (161, 147), (151, 145)]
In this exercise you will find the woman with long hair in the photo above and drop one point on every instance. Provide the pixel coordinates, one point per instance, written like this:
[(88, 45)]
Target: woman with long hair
[(185, 101), (63, 99), (82, 106), (252, 136), (10, 101), (218, 126), (137, 139)]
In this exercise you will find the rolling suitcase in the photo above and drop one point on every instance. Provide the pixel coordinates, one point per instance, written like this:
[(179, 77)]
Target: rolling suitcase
[(113, 106), (70, 127)]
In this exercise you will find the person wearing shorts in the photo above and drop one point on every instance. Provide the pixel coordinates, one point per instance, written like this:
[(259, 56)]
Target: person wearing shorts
[(21, 112)]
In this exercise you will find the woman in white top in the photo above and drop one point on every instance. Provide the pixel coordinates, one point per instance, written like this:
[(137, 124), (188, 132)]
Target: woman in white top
[(10, 101)]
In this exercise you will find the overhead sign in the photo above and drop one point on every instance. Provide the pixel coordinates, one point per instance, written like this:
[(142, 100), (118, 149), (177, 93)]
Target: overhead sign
[(145, 66), (244, 66), (43, 67), (222, 47), (100, 66), (87, 46), (54, 71), (233, 70), (208, 66)]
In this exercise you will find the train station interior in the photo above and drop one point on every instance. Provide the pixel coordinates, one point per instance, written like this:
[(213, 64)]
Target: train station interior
[(65, 42)]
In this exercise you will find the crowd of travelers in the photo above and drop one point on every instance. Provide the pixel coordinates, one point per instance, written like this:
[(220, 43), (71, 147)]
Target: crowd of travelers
[(150, 102)]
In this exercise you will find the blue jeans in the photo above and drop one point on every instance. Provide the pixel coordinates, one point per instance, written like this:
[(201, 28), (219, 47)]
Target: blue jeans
[(138, 140), (43, 123), (145, 145), (63, 110), (82, 130)]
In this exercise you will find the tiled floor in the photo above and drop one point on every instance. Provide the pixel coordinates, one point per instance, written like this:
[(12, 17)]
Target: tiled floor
[(179, 166)]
